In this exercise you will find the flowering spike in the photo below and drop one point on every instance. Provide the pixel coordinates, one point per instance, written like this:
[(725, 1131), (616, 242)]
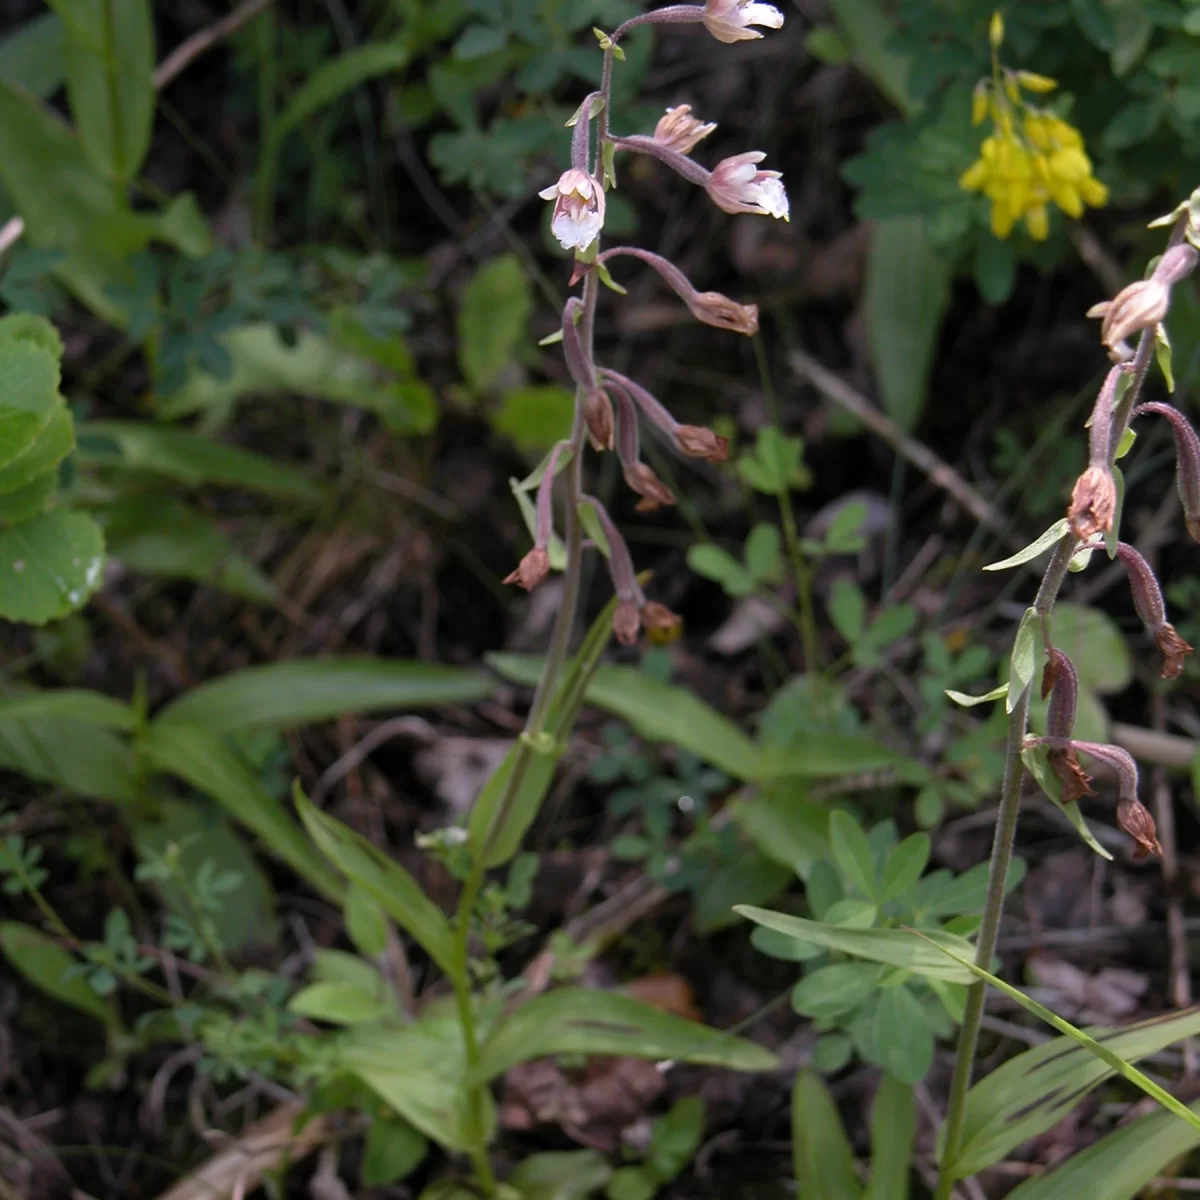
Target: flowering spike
[(678, 130), (578, 207), (1187, 462), (730, 20), (736, 185), (712, 308)]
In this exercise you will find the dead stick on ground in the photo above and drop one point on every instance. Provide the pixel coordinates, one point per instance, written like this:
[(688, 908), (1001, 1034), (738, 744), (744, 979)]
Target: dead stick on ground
[(263, 1147), (836, 389)]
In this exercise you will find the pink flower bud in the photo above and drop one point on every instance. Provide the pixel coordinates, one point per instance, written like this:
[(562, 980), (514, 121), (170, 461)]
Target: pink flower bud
[(1141, 305), (578, 208), (730, 20), (1135, 819), (1148, 602), (654, 493), (1187, 462), (680, 131), (1093, 503), (736, 185), (626, 622), (697, 441), (598, 414), (531, 570)]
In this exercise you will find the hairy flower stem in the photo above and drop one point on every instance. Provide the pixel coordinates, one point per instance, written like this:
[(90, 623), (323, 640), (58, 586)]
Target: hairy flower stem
[(1002, 847), (535, 722)]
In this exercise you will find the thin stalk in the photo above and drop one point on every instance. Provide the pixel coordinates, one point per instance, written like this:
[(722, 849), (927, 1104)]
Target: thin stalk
[(268, 153), (1002, 846), (801, 568)]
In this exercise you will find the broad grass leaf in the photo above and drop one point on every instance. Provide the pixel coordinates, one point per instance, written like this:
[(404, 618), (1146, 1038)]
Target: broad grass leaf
[(340, 1004), (79, 704), (109, 61), (189, 458), (1091, 1045), (45, 964), (1033, 1091), (418, 1072), (1117, 1167), (746, 877), (32, 56), (100, 765), (893, 1133), (164, 537), (49, 566), (366, 925), (896, 947), (822, 1157), (902, 334), (501, 832), (577, 1020), (493, 320), (336, 77), (385, 881), (204, 760), (265, 365), (560, 1175), (303, 691)]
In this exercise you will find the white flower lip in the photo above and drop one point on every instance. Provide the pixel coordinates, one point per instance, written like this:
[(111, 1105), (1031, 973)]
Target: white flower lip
[(738, 186), (731, 20), (578, 209)]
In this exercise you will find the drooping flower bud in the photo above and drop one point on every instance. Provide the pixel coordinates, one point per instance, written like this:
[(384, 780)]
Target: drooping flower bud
[(654, 493), (680, 131), (578, 208), (736, 185), (1187, 462), (598, 414), (698, 441), (1148, 601), (693, 440), (712, 308), (1143, 304), (1094, 497), (531, 570), (1135, 819), (1093, 503), (1061, 682), (578, 363), (1121, 762), (658, 618), (731, 20), (626, 622)]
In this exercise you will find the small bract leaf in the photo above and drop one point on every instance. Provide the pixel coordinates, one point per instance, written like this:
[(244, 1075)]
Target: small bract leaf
[(1039, 545)]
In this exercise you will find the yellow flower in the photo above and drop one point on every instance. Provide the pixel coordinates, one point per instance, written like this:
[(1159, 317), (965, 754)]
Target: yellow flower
[(1033, 82), (979, 103), (1032, 159), (996, 30)]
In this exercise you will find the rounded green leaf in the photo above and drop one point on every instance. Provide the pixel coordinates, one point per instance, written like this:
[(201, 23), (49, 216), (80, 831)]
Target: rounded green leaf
[(834, 990), (49, 566), (37, 331), (51, 446), (29, 500), (28, 396), (902, 1037)]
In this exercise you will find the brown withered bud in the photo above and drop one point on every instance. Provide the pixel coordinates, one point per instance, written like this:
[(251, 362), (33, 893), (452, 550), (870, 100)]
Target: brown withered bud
[(1173, 649), (1076, 783), (1050, 673), (1148, 602), (531, 570), (1187, 462), (598, 415), (627, 621), (1093, 503), (654, 493), (680, 131), (1141, 305), (719, 311), (659, 618), (697, 441), (1135, 819)]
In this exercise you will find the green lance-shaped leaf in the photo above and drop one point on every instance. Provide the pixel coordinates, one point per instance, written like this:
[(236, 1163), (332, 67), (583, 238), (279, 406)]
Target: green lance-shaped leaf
[(822, 1157), (576, 1020), (47, 965)]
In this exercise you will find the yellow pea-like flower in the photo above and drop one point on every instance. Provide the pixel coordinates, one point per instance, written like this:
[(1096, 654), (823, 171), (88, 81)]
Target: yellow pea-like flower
[(1032, 82)]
